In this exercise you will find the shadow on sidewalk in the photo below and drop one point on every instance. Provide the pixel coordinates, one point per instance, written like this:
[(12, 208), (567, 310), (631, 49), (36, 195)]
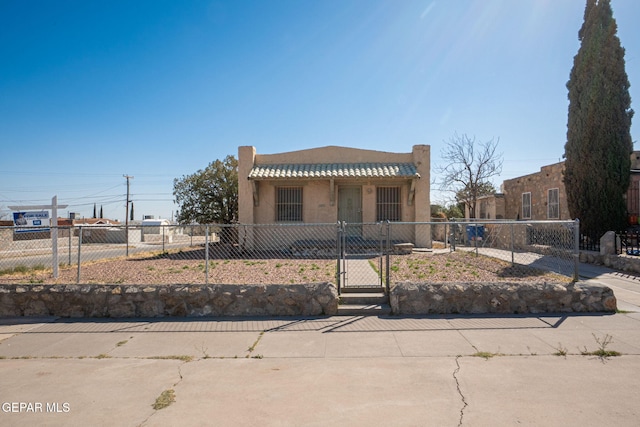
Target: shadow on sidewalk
[(324, 324)]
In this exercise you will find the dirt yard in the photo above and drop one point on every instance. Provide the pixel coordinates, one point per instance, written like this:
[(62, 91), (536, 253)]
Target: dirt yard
[(181, 268)]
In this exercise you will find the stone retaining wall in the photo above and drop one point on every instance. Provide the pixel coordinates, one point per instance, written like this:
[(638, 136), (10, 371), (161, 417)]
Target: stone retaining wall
[(624, 262), (295, 300), (447, 298), (168, 300)]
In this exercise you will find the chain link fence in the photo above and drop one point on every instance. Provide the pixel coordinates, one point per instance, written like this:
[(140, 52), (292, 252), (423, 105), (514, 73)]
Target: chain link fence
[(538, 245), (349, 255)]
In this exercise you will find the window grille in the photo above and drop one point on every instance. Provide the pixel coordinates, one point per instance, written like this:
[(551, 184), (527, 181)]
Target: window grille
[(553, 204), (289, 204), (388, 204), (526, 205)]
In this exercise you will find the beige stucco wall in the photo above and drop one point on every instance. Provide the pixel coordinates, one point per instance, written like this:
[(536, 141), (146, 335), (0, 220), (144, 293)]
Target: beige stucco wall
[(316, 204), (333, 154), (246, 158)]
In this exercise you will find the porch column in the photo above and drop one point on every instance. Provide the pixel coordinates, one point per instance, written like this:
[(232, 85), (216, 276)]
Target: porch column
[(246, 159), (422, 197)]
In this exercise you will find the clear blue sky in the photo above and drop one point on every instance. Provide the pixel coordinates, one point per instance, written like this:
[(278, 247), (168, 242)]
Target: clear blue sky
[(93, 90)]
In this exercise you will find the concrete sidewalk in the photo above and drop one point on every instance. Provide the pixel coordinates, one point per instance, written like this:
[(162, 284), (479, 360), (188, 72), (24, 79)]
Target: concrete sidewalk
[(356, 371)]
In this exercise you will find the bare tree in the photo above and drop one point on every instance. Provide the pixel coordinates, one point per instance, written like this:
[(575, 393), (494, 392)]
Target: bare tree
[(467, 168)]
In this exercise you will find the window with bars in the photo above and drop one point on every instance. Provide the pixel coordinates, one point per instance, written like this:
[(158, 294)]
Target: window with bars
[(388, 204), (289, 204), (553, 203), (526, 205)]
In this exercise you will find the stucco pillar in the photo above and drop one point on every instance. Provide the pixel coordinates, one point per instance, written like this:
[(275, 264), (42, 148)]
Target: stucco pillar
[(422, 161), (246, 157), (368, 203)]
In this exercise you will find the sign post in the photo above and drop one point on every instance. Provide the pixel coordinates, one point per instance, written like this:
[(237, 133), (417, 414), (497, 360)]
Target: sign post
[(54, 227)]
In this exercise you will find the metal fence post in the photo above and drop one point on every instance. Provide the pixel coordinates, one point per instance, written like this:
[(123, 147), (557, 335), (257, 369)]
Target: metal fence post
[(70, 229), (576, 250), (511, 244), (338, 256), (206, 255), (475, 236), (380, 252), (387, 269), (454, 229), (79, 250), (163, 249), (446, 234)]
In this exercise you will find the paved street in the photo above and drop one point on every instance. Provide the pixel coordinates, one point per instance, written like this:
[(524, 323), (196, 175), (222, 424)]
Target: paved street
[(362, 371)]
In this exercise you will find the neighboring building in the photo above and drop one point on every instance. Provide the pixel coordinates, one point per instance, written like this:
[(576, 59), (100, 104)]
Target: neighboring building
[(331, 184), (633, 194), (68, 222), (542, 196), (537, 196), (488, 207)]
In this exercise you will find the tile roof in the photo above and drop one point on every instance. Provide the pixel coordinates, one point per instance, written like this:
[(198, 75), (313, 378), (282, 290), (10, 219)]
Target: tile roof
[(334, 170)]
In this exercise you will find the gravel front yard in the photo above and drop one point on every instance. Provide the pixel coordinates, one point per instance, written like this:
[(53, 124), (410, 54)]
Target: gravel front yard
[(181, 268)]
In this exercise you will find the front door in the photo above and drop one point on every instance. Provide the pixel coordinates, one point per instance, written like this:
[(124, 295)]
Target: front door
[(350, 207)]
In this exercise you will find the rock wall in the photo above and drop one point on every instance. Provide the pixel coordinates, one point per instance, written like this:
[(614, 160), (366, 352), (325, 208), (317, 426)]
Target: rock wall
[(295, 300), (448, 298), (624, 262), (168, 300)]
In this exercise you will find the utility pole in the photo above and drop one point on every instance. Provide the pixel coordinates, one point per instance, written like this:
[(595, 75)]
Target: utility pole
[(126, 218)]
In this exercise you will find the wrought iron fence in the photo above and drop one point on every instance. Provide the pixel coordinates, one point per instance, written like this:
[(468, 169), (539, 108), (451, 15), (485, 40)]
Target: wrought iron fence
[(628, 242), (349, 255), (589, 242)]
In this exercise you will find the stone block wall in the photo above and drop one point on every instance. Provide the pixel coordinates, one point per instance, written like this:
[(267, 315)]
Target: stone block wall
[(537, 184), (316, 299), (625, 262), (507, 298), (168, 300)]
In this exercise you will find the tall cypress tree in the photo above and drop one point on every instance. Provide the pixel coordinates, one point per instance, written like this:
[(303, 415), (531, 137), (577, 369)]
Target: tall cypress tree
[(598, 147)]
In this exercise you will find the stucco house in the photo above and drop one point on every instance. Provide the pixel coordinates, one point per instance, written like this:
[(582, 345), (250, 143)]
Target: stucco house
[(331, 184)]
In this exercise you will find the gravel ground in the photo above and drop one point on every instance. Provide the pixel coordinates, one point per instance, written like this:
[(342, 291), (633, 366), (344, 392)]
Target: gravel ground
[(181, 268), (464, 267)]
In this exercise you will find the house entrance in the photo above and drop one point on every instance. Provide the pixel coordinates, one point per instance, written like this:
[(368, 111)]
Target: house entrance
[(350, 208)]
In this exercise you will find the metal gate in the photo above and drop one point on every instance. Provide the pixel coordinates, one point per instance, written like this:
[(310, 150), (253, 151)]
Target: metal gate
[(362, 255)]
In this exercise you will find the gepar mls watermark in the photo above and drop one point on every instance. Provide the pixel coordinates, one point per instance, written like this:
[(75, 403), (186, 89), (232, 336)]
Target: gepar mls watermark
[(36, 407)]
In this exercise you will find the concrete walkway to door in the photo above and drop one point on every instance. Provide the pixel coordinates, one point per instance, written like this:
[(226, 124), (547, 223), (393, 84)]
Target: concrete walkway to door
[(360, 272)]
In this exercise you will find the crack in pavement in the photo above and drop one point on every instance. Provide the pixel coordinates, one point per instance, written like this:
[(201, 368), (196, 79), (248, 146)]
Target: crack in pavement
[(464, 400), (155, 411), (251, 349)]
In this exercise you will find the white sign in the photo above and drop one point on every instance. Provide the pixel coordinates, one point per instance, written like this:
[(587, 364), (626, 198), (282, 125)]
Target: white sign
[(38, 219)]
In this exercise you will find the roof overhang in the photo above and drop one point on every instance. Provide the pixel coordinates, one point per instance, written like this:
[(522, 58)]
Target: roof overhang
[(334, 171)]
